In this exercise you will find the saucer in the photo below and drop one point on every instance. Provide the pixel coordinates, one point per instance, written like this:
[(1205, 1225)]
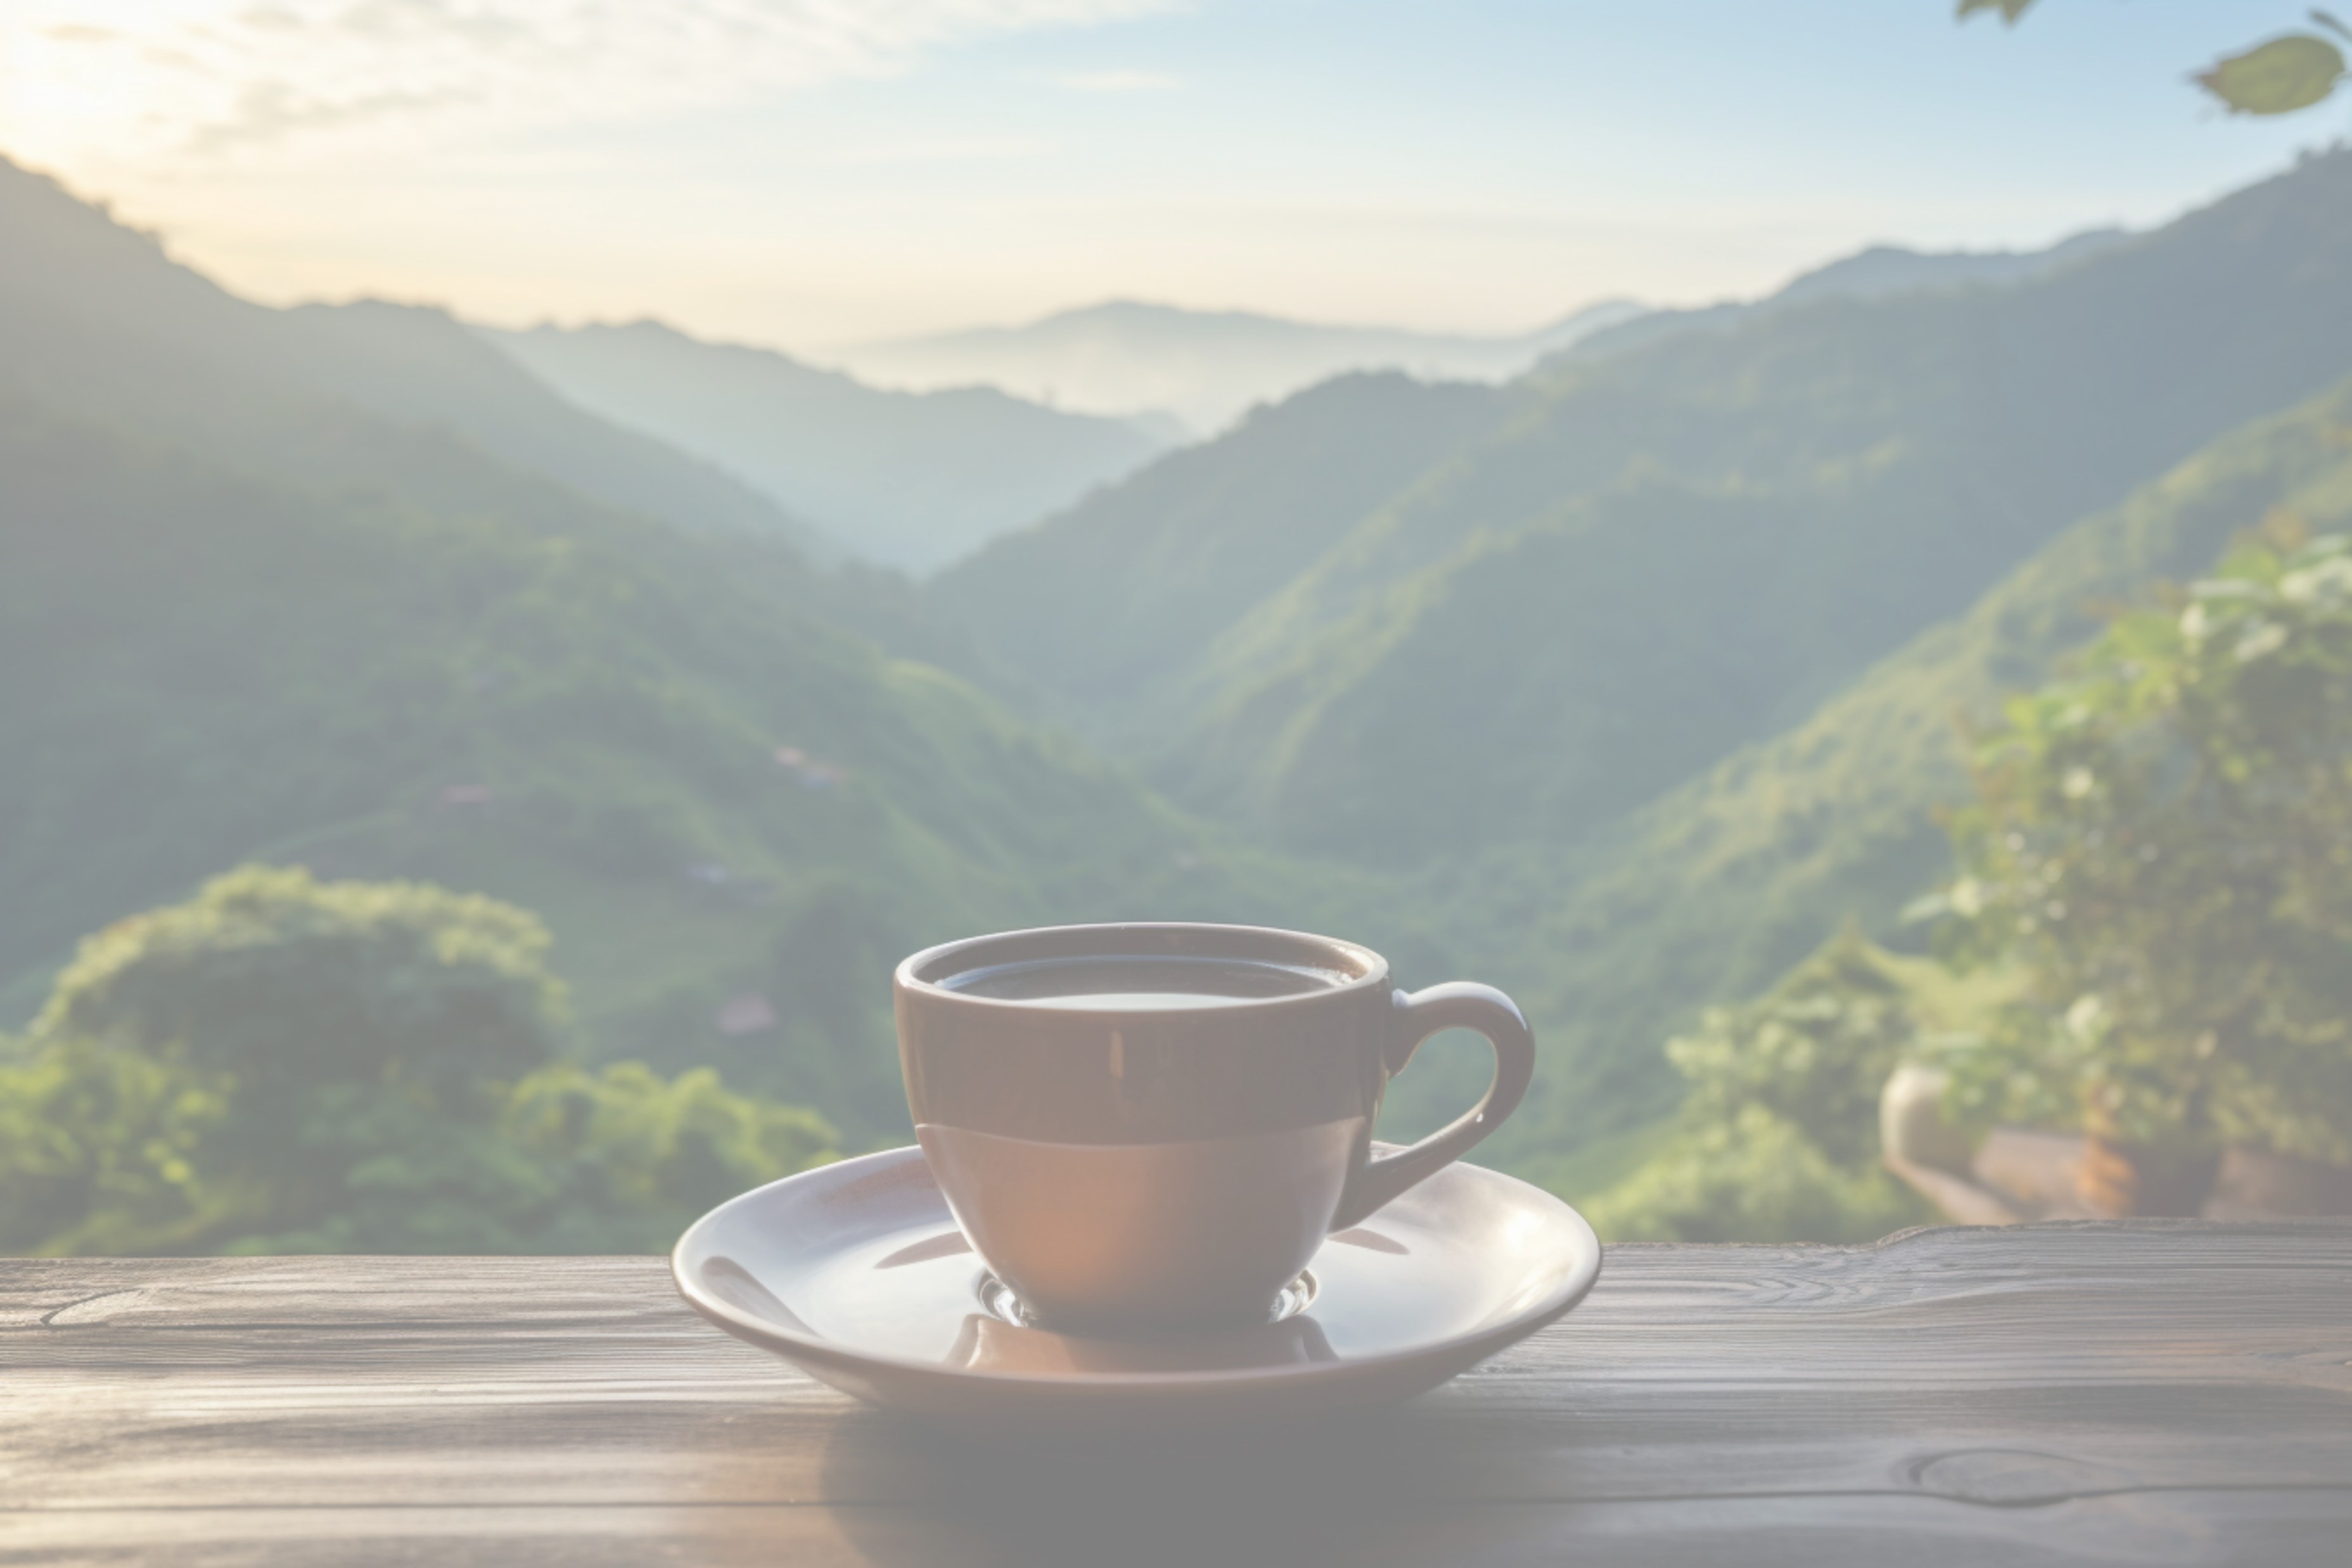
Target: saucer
[(857, 1273)]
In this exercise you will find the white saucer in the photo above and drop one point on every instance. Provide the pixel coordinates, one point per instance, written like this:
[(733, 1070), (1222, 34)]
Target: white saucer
[(857, 1273)]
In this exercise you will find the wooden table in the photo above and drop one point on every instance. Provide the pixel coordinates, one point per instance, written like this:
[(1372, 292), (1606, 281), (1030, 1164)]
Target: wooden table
[(2148, 1393)]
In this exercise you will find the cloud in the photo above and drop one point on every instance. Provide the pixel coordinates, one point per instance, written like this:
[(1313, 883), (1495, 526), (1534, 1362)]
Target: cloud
[(214, 78), (267, 111), (1118, 81)]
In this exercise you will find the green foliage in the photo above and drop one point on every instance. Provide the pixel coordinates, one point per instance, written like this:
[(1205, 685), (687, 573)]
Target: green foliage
[(1813, 1053), (2164, 838), (282, 1064), (1635, 680), (1779, 1133), (635, 1155), (285, 587), (254, 623), (2277, 78), (283, 983), (95, 1147), (580, 714), (1101, 612), (2009, 10), (1752, 1178), (1721, 886), (1725, 526)]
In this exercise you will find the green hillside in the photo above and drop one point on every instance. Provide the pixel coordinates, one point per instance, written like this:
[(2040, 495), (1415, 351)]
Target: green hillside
[(1715, 889), (1516, 628), (1683, 549), (97, 319), (911, 480), (357, 607), (707, 793), (1206, 368), (1873, 273), (1097, 611), (1609, 686)]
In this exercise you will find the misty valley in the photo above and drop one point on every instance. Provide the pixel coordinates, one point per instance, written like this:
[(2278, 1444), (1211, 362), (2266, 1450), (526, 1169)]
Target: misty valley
[(1922, 666)]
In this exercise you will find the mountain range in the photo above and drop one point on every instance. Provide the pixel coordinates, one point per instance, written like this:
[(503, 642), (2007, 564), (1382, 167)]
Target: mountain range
[(1509, 678), (289, 587), (1874, 272), (98, 320), (1717, 887), (911, 480), (916, 479), (1207, 367), (1619, 681), (1629, 566)]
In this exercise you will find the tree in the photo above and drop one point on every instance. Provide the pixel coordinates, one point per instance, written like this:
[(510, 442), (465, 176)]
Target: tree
[(2293, 71), (636, 1156), (282, 1064), (2163, 840), (1778, 1137)]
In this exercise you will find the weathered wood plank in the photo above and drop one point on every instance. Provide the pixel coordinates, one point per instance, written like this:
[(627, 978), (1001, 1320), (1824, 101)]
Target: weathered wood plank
[(2045, 1389), (2273, 1529)]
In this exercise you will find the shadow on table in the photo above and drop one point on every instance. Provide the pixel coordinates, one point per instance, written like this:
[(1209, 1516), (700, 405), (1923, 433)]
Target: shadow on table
[(1332, 1491)]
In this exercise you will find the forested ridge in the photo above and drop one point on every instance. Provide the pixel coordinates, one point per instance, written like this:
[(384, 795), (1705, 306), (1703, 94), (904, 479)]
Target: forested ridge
[(1625, 686)]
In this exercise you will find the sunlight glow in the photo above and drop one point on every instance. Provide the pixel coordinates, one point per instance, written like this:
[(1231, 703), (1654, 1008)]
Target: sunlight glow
[(198, 80)]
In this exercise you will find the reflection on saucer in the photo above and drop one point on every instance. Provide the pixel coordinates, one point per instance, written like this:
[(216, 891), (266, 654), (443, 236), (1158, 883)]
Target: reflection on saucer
[(1372, 1241), (739, 1287), (947, 1246), (989, 1344)]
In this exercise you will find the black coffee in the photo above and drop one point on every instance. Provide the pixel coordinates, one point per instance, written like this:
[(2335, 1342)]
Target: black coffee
[(1124, 983)]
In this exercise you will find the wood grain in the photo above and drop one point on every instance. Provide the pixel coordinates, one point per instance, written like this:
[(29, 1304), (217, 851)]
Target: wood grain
[(2151, 1391)]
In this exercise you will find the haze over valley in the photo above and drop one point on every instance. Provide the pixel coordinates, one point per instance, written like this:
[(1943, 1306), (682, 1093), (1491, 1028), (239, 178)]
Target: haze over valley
[(546, 545), (1617, 667)]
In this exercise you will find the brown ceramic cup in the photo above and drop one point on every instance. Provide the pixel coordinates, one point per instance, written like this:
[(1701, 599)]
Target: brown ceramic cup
[(1125, 1166)]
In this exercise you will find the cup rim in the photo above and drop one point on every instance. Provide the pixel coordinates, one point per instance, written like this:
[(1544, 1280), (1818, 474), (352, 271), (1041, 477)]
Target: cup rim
[(1372, 968)]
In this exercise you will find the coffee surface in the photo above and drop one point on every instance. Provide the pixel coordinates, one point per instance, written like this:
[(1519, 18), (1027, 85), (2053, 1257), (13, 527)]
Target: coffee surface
[(1141, 984)]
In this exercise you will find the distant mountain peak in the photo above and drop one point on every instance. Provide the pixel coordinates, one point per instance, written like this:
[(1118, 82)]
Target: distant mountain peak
[(1206, 366), (1879, 271), (904, 478), (107, 326), (1882, 269), (1147, 310)]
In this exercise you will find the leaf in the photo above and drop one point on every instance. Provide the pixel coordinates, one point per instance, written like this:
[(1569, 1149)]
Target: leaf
[(1927, 906), (2327, 20), (2010, 10), (2279, 78), (2261, 640), (2227, 587)]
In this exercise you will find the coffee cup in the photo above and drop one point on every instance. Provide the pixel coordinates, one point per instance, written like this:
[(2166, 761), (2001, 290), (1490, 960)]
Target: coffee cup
[(1144, 1126)]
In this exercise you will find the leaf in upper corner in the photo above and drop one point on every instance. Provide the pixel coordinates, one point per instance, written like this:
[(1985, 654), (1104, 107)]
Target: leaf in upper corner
[(2010, 10), (2327, 20), (2278, 77)]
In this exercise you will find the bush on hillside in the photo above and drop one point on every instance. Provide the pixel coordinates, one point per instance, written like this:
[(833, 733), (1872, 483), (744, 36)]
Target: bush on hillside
[(1778, 1137), (282, 1064), (2163, 841)]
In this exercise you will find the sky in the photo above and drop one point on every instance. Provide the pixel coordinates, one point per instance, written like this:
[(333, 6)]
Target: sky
[(810, 173)]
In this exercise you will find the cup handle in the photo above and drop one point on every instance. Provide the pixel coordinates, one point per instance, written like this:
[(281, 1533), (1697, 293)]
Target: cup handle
[(1457, 1003)]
